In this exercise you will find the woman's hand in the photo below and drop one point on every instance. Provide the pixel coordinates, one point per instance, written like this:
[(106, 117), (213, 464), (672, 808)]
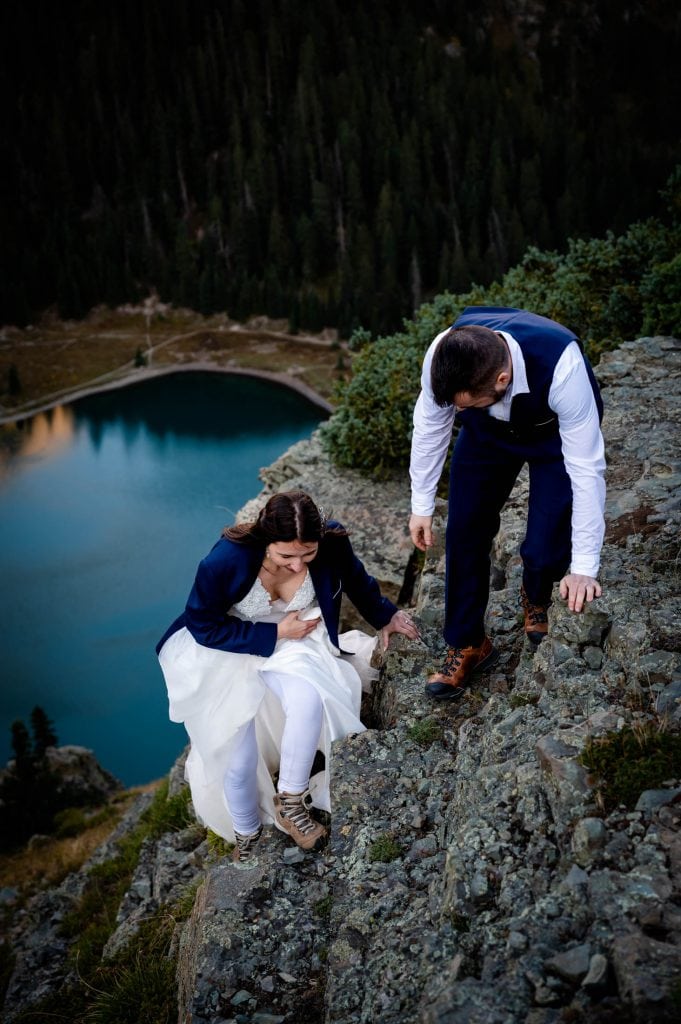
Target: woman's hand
[(293, 628), (401, 622)]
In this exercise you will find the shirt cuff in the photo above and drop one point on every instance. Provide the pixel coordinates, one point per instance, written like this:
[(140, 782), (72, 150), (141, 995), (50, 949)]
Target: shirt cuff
[(422, 508), (585, 569)]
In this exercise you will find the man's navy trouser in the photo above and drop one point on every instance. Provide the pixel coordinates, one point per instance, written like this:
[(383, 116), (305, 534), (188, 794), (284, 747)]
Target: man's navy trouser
[(486, 460)]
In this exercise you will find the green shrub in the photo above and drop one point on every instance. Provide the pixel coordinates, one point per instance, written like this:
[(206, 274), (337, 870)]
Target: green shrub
[(69, 822), (168, 814), (372, 426), (217, 846), (359, 338), (661, 290), (73, 821), (606, 290), (143, 990)]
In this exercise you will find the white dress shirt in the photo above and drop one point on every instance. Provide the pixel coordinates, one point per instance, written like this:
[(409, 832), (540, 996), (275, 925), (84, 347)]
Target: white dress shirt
[(572, 399)]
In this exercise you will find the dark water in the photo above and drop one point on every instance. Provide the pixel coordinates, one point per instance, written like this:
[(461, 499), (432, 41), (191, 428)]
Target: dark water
[(104, 516)]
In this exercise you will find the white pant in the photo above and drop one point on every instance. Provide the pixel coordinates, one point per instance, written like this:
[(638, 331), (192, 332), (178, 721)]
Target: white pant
[(302, 708)]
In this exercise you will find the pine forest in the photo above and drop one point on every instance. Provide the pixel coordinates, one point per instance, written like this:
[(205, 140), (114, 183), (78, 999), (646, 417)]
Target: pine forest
[(335, 163)]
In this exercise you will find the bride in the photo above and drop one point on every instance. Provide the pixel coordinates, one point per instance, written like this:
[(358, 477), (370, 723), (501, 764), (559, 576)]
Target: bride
[(256, 670)]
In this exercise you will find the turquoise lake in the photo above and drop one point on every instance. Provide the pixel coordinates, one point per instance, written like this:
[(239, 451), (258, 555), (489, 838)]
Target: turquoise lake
[(104, 515)]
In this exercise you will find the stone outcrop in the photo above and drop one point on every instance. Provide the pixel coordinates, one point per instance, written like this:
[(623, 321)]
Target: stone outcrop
[(76, 775), (473, 875), (41, 949), (79, 777)]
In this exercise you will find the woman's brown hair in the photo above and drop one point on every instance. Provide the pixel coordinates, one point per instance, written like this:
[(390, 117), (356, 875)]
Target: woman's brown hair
[(287, 516)]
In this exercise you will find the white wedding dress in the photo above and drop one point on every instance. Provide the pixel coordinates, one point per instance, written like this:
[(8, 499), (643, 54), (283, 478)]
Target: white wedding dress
[(216, 692)]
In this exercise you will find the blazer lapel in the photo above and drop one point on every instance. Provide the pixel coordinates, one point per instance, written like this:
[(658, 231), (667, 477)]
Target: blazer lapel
[(323, 581)]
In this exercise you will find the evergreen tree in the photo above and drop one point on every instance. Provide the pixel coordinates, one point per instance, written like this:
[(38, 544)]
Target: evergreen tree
[(44, 734), (21, 747)]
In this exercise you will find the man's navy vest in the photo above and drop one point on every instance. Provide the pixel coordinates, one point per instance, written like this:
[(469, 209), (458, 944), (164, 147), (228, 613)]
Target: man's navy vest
[(542, 343)]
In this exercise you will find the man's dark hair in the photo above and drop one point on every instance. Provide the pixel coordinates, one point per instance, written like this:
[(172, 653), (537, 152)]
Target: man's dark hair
[(467, 359)]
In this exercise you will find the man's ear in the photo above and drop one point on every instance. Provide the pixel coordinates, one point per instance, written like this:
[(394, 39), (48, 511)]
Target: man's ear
[(503, 379)]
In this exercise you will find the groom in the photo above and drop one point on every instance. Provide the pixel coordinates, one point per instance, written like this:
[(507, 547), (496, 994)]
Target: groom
[(522, 391)]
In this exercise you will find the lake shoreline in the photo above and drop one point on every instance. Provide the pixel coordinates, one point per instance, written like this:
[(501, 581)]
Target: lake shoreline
[(140, 374), (106, 510)]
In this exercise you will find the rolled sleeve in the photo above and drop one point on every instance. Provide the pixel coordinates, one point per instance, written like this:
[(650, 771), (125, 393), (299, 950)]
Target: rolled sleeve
[(571, 398), (430, 441)]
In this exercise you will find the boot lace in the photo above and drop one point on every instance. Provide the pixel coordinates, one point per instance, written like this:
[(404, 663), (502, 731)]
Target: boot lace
[(453, 659), (245, 844), (294, 807)]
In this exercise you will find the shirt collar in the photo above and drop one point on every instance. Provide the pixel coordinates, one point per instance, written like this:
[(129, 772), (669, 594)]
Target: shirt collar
[(519, 385), (502, 409)]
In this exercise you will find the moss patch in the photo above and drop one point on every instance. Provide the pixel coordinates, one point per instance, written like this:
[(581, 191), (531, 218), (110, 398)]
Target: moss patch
[(426, 732), (523, 700), (384, 850), (628, 762)]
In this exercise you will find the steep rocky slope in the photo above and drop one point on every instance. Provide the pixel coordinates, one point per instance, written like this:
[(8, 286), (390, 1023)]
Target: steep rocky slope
[(474, 874)]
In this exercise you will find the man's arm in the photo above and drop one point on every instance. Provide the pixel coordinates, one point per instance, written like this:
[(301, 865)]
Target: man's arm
[(571, 397), (430, 441)]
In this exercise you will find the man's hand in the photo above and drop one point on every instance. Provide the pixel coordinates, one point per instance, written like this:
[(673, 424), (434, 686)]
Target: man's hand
[(421, 530), (577, 589)]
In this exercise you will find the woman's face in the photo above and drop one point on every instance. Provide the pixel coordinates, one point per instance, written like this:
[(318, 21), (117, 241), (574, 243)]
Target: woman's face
[(292, 555)]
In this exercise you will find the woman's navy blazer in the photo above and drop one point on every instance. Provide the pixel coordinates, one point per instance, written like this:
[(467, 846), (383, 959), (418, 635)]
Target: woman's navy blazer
[(228, 572)]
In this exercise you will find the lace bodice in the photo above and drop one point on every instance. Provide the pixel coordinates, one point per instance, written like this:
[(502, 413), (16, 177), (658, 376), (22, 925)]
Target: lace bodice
[(258, 605)]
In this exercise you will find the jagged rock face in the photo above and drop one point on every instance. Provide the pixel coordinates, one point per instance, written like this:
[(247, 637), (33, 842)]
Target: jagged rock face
[(510, 896), (471, 876), (79, 775), (42, 952)]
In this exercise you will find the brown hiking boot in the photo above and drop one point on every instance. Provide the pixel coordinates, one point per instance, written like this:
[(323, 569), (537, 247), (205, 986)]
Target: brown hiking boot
[(460, 665), (243, 847), (536, 619), (292, 815)]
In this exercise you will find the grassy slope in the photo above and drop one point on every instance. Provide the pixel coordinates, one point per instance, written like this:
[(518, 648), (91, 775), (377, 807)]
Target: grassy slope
[(56, 359)]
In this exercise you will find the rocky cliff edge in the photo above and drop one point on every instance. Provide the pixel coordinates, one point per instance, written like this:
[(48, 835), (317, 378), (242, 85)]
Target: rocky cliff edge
[(475, 873)]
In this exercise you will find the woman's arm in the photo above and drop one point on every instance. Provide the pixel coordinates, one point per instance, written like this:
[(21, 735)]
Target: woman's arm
[(361, 588), (214, 592)]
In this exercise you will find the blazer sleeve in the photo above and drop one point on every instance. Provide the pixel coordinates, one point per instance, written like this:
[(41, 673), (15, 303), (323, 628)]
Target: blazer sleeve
[(215, 590), (361, 588)]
